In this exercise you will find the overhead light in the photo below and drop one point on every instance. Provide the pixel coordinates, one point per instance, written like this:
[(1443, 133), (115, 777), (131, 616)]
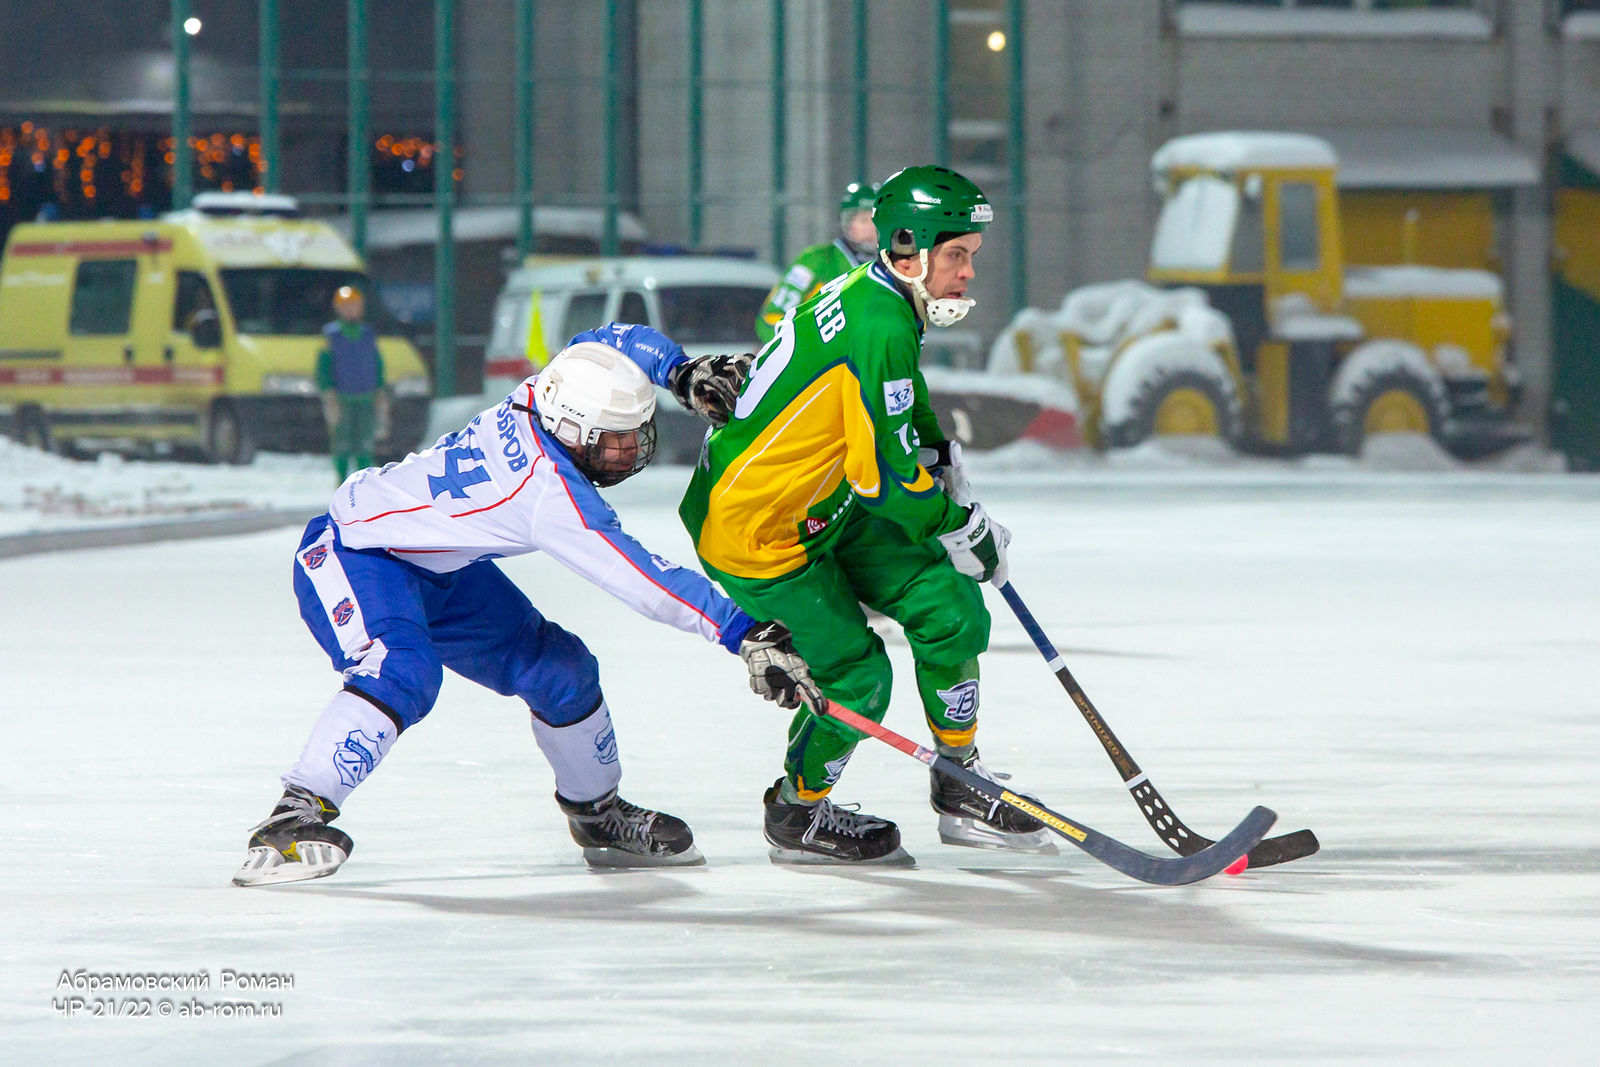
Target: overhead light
[(191, 26), (997, 41)]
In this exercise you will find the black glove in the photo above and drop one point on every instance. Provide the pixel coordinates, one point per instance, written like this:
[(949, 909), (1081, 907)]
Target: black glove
[(709, 386), (776, 670)]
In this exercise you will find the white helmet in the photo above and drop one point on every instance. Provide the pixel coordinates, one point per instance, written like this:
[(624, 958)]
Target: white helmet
[(601, 407)]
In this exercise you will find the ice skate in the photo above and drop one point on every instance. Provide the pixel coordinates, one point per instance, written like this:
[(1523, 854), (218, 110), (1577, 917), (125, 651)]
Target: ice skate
[(295, 842), (826, 833), (967, 817), (615, 833)]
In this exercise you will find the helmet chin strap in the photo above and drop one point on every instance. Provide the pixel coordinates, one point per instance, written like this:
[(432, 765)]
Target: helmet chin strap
[(946, 311)]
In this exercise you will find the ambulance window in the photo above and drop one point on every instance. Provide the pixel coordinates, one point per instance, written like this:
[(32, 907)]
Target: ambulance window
[(585, 311), (633, 309), (193, 294), (102, 296)]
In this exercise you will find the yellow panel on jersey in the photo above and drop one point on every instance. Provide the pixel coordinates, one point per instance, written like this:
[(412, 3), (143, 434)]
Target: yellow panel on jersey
[(822, 438)]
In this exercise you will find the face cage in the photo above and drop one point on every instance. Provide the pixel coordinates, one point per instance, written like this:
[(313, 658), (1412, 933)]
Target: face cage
[(617, 455)]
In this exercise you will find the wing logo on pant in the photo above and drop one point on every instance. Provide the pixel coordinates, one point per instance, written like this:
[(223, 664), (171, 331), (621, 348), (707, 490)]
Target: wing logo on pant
[(962, 700), (835, 767)]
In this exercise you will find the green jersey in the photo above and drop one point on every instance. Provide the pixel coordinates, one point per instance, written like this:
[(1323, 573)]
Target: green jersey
[(831, 415), (811, 270)]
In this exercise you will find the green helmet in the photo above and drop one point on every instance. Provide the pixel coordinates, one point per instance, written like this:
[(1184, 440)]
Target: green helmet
[(858, 196), (918, 204)]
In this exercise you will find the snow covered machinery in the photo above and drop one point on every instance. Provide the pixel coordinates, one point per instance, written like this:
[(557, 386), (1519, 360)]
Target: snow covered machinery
[(1253, 330)]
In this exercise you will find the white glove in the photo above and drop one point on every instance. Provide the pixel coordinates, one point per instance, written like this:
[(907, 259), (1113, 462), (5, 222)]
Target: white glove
[(776, 670), (978, 549), (709, 386), (943, 461)]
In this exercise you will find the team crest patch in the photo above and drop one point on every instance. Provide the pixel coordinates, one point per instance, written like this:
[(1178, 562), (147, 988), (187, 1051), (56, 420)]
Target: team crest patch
[(814, 525), (961, 700), (605, 745), (355, 757), (343, 611), (315, 557), (897, 395), (835, 767)]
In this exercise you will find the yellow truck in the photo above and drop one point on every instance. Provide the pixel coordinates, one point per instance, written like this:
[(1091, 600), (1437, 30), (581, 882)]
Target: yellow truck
[(196, 331), (1252, 329)]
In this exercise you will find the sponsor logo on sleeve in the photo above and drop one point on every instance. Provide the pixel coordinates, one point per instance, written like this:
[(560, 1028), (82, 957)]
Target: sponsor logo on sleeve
[(897, 395)]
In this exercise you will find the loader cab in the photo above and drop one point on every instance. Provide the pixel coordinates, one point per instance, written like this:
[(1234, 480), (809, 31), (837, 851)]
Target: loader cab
[(1252, 219)]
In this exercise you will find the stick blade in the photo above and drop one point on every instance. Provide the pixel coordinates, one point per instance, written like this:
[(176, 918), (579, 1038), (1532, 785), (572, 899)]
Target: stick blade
[(1275, 850), (1183, 870)]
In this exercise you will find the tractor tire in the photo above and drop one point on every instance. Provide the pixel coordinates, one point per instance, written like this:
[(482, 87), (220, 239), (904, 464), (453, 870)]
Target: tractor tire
[(1398, 399), (1172, 401)]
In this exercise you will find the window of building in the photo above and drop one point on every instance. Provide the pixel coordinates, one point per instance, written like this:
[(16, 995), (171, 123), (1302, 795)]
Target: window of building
[(1347, 5), (102, 296)]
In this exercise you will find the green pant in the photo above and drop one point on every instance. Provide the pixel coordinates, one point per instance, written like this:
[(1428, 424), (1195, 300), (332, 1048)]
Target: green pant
[(354, 437), (874, 563)]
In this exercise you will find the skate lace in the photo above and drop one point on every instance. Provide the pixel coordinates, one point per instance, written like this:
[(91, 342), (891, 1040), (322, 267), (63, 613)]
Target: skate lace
[(297, 806), (999, 778), (626, 821), (839, 819)]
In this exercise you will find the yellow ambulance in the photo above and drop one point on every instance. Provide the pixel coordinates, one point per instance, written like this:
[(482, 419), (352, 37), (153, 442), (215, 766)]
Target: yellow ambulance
[(198, 330)]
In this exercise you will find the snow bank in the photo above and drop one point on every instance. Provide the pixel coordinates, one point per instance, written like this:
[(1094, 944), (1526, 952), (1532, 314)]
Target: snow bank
[(42, 491)]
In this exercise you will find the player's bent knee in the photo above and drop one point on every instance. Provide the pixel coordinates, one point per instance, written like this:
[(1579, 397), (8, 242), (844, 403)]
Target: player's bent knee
[(401, 672)]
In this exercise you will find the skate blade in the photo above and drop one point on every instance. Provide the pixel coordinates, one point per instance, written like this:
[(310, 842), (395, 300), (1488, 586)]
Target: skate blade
[(268, 866), (612, 858), (791, 857), (970, 833)]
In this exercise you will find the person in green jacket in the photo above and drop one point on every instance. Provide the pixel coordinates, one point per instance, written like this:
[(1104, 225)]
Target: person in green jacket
[(856, 244), (833, 486), (350, 379)]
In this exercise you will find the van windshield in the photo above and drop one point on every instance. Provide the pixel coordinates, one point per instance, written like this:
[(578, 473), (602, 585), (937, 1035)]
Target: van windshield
[(293, 300), (710, 314)]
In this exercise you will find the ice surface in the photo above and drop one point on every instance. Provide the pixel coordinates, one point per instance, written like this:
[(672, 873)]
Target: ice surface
[(1402, 661)]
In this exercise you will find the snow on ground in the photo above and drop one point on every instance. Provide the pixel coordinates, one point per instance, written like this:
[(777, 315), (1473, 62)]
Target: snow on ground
[(1402, 661)]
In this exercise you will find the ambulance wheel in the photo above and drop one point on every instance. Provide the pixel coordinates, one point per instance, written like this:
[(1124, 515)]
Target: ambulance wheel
[(227, 440), (31, 429)]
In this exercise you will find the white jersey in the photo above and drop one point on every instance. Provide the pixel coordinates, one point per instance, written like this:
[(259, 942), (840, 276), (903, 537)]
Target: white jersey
[(501, 486)]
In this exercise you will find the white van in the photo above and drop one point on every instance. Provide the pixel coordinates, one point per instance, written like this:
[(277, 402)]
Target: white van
[(707, 304)]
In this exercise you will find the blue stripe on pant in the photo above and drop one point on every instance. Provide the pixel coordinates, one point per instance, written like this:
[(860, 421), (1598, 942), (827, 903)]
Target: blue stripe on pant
[(474, 621)]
